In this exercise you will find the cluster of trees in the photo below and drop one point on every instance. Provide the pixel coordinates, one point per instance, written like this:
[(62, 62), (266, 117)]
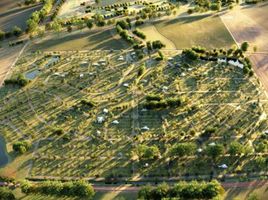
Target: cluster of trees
[(156, 102), (122, 27), (20, 80), (213, 55), (21, 146), (182, 190), (145, 152), (139, 34), (16, 31), (38, 16), (72, 188), (183, 149), (206, 5), (6, 194), (57, 9), (88, 103)]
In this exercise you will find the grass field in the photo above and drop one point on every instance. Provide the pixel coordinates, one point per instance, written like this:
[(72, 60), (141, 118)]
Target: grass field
[(214, 95), (80, 40), (207, 31)]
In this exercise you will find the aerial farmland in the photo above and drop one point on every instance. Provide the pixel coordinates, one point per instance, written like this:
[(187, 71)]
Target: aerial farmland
[(124, 99)]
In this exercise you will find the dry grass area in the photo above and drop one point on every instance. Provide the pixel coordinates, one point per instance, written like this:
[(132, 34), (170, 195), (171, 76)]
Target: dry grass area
[(204, 30), (7, 56), (80, 40), (249, 24), (152, 34)]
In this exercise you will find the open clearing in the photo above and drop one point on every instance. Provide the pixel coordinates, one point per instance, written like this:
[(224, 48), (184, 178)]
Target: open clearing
[(102, 39), (205, 30), (102, 140), (150, 31)]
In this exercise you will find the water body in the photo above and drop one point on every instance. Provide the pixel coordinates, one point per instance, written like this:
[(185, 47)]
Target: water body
[(3, 152), (32, 74)]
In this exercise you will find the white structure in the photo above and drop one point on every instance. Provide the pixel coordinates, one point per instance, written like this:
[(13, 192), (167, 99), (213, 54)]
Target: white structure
[(222, 61), (98, 132), (236, 63), (100, 119), (121, 58), (212, 144), (95, 64), (199, 150), (145, 128), (115, 122), (105, 110), (126, 85), (223, 166), (81, 75)]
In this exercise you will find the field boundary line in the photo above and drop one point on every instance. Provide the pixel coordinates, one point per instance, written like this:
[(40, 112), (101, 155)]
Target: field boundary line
[(220, 16), (15, 61)]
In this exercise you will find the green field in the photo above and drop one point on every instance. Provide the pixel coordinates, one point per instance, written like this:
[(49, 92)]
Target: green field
[(205, 30)]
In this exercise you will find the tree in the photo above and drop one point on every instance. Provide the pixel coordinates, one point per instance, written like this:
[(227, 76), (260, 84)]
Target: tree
[(190, 54), (56, 26), (161, 191), (244, 46), (145, 192), (236, 148), (157, 44), (89, 24), (149, 46), (214, 151), (16, 31), (6, 194), (183, 149), (2, 35), (21, 146), (147, 152)]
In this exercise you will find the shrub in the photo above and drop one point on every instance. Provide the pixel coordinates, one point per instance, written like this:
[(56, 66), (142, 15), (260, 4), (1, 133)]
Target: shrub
[(6, 194), (21, 147), (16, 31)]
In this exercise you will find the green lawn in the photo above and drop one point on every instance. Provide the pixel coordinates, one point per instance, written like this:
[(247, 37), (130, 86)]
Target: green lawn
[(207, 31)]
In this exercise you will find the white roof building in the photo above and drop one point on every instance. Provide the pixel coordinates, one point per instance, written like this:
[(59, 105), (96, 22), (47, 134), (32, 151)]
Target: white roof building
[(100, 119)]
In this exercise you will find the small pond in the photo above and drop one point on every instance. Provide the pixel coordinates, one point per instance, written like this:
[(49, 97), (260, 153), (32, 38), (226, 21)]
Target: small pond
[(3, 152), (32, 74)]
